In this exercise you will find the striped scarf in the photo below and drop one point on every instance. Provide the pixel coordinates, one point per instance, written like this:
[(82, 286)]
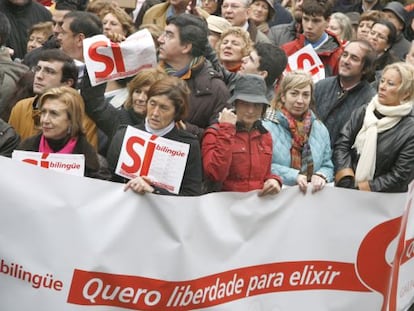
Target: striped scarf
[(184, 73), (300, 152)]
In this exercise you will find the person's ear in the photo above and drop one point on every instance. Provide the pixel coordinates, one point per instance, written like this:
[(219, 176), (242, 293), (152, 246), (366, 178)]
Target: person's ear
[(263, 73), (69, 82), (187, 47)]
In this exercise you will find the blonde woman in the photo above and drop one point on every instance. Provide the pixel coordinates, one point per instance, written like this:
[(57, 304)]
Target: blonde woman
[(301, 144), (375, 149), (233, 45)]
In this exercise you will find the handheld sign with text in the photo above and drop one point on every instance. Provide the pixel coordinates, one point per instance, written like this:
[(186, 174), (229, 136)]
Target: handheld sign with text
[(106, 60), (73, 164), (162, 160), (306, 59)]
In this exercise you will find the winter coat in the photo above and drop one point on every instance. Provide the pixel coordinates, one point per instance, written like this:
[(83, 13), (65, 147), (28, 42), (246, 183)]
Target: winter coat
[(329, 52), (157, 14), (335, 106), (95, 165), (209, 95), (21, 19), (238, 158), (10, 73), (277, 125), (191, 183), (9, 139), (21, 118), (281, 34), (395, 153)]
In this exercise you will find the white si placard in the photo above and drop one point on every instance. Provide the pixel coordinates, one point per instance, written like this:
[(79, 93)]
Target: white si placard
[(106, 60), (308, 60), (162, 160), (73, 164)]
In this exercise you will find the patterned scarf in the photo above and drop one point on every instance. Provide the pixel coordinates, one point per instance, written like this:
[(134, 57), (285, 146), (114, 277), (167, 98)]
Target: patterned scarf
[(300, 152), (184, 73)]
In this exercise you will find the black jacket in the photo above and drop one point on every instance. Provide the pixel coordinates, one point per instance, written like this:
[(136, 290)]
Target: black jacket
[(395, 153), (9, 139), (191, 183)]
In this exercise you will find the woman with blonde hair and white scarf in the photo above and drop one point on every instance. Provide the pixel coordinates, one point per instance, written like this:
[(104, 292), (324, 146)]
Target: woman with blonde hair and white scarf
[(375, 149)]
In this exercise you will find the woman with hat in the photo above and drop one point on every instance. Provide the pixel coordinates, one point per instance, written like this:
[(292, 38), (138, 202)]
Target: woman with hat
[(260, 13), (237, 151), (301, 147)]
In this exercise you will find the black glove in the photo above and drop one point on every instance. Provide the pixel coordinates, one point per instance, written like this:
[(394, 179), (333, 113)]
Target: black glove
[(346, 182)]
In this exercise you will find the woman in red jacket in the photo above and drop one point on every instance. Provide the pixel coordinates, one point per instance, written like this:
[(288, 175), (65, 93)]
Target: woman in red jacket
[(237, 152)]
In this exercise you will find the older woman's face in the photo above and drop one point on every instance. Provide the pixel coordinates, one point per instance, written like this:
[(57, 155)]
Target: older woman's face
[(364, 29), (259, 11), (139, 100), (378, 37), (297, 100), (231, 49), (210, 6), (388, 88), (54, 119), (111, 24), (36, 39), (335, 28), (160, 112)]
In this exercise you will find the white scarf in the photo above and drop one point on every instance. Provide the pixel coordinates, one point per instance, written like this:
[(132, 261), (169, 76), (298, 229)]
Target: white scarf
[(160, 132), (366, 140)]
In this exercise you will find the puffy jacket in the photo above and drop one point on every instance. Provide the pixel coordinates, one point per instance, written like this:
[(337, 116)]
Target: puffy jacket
[(277, 125), (239, 159), (329, 52), (395, 153)]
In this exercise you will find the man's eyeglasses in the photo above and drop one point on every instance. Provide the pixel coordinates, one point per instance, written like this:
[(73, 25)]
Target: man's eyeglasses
[(46, 70)]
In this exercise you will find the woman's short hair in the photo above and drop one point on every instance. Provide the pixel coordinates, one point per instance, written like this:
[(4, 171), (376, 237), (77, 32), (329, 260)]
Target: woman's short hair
[(122, 16), (145, 77), (75, 106), (294, 79), (372, 16), (46, 28), (240, 33), (176, 90), (392, 36), (406, 72)]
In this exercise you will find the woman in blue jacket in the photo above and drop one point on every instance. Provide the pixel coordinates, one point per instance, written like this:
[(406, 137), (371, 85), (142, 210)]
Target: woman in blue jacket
[(301, 144)]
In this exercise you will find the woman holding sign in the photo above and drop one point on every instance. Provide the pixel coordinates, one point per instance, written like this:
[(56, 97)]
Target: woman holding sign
[(301, 144), (167, 104), (61, 119), (375, 149)]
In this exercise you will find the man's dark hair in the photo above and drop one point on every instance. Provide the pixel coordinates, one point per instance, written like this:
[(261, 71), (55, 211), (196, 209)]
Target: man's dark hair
[(317, 8), (192, 30), (84, 22), (5, 28), (69, 69), (368, 59), (272, 59)]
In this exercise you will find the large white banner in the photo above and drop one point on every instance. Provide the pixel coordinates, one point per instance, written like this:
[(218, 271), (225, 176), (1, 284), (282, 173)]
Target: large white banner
[(74, 243)]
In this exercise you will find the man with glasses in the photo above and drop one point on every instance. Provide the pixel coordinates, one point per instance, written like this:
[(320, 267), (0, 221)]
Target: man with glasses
[(53, 69), (237, 13)]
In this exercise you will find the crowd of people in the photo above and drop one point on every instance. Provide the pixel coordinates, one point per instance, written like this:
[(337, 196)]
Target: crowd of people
[(222, 86)]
